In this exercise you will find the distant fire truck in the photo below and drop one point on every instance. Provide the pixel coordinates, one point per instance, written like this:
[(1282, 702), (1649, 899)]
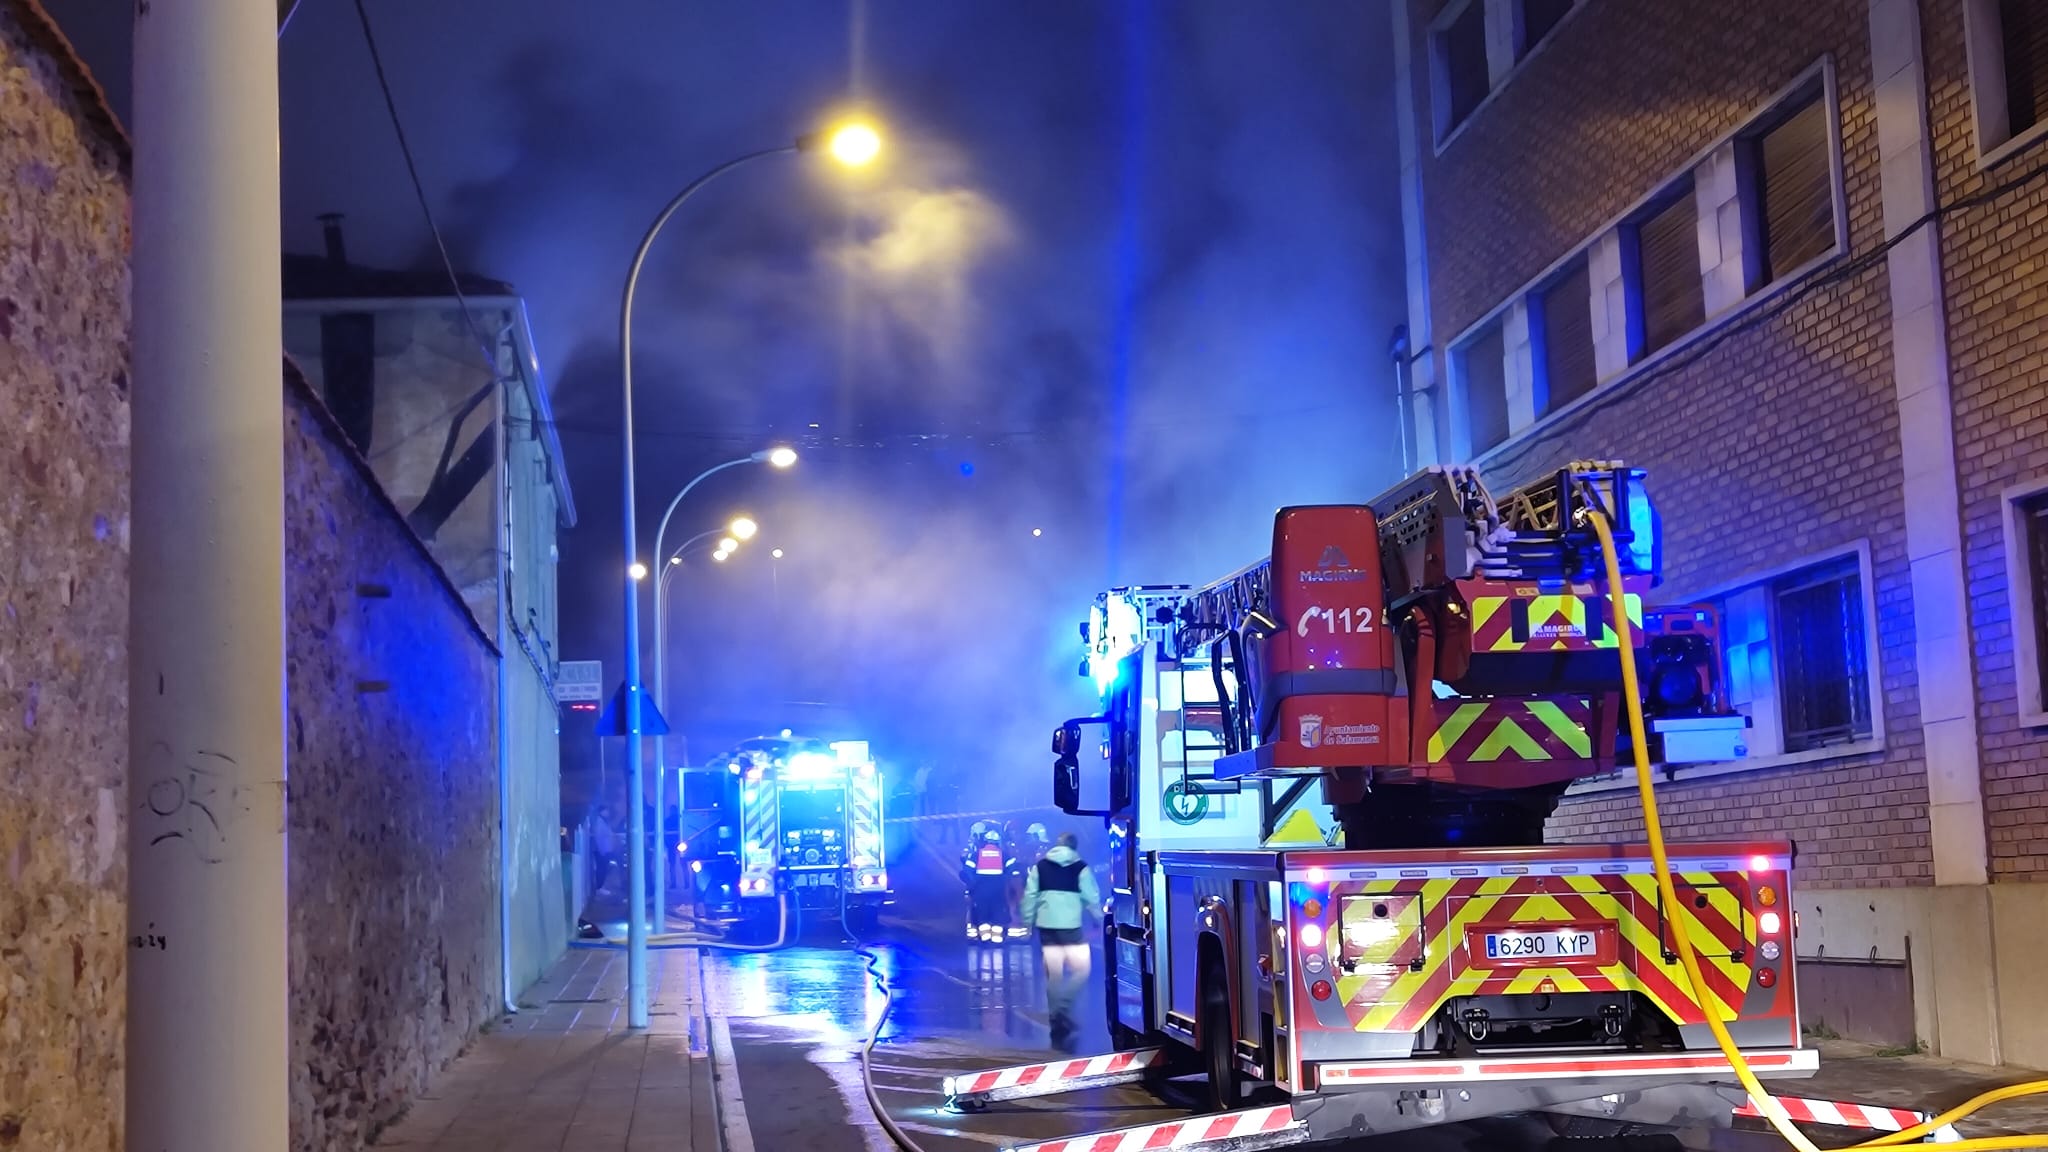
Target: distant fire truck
[(1326, 779), (810, 828)]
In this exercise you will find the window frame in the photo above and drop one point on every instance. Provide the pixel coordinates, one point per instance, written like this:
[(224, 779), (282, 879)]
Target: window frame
[(1984, 38), (1876, 743), (1749, 177), (2028, 704)]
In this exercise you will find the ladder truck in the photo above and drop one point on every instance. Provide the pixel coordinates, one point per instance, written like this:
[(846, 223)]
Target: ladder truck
[(1426, 674)]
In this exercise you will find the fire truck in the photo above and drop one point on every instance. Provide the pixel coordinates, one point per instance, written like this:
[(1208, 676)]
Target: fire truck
[(810, 828), (1326, 780)]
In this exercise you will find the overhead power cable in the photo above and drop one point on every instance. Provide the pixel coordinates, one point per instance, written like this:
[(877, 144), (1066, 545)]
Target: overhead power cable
[(419, 190)]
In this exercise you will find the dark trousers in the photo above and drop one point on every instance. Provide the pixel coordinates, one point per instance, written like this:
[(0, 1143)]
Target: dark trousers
[(989, 900)]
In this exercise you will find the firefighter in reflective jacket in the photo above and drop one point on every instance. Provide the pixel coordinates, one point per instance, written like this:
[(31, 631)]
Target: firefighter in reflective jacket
[(985, 868)]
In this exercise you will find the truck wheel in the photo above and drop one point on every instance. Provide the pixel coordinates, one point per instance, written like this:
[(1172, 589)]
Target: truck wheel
[(1224, 1089), (862, 919)]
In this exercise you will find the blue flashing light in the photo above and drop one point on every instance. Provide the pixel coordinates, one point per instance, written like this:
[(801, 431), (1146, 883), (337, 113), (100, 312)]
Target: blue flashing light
[(1104, 673), (1646, 546), (967, 467)]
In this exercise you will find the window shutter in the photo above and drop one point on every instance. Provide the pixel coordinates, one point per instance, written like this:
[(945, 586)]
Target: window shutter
[(1668, 258), (1568, 368), (2023, 24), (1797, 190), (1482, 368)]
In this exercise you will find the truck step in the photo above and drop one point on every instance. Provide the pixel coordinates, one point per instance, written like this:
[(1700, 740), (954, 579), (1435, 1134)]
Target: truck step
[(971, 1091), (1252, 1128)]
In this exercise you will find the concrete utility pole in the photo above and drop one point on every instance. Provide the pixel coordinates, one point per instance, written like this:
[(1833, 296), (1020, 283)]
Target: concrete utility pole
[(208, 1034)]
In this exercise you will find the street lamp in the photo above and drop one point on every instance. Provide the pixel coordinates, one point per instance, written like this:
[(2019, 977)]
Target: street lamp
[(636, 828), (850, 144)]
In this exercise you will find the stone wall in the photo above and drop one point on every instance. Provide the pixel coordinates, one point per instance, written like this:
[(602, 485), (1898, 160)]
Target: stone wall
[(63, 602), (393, 766), (391, 687)]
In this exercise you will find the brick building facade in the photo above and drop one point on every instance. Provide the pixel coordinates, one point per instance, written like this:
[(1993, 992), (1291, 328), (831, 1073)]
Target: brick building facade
[(1789, 258)]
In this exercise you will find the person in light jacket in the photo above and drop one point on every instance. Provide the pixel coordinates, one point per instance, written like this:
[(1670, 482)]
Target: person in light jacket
[(1060, 896)]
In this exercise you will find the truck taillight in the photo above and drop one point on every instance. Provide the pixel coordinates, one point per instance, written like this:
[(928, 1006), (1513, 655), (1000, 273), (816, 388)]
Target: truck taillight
[(1312, 936), (1320, 989), (1771, 923)]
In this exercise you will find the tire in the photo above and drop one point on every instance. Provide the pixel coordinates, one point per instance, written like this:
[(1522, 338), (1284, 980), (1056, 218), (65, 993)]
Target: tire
[(862, 920), (1223, 1087)]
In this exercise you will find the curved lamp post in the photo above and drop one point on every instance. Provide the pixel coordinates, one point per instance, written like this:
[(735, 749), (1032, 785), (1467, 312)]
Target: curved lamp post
[(853, 144)]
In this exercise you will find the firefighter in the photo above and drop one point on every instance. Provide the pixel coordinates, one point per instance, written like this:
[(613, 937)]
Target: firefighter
[(1060, 894), (984, 867)]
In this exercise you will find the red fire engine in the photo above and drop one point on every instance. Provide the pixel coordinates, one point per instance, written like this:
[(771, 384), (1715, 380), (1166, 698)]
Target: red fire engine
[(1441, 666)]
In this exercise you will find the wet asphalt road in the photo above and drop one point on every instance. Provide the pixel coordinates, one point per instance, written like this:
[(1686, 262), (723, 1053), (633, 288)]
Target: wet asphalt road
[(797, 1017)]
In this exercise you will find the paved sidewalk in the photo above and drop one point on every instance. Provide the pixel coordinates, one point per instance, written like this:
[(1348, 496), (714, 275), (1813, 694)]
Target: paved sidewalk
[(565, 1075), (1857, 1074)]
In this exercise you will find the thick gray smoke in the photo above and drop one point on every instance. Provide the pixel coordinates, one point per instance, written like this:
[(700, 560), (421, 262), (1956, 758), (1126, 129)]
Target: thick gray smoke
[(1125, 276)]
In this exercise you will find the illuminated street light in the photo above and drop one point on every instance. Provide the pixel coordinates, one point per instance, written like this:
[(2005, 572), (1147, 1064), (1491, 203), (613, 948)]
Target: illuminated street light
[(638, 571), (676, 559), (851, 144), (743, 527), (720, 555), (777, 553), (728, 545), (1038, 531), (855, 145)]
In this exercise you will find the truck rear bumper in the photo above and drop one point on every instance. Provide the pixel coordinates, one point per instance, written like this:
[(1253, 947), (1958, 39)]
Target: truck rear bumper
[(1669, 1090), (1592, 1070)]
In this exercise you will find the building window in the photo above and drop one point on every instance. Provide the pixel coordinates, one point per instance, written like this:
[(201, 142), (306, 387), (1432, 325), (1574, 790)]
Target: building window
[(1791, 187), (2026, 580), (1537, 19), (1481, 364), (1668, 290), (2008, 72), (1563, 329), (1821, 652), (1458, 61), (1799, 658)]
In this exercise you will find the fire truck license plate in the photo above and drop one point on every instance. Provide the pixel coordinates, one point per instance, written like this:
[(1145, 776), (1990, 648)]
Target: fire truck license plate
[(1565, 943)]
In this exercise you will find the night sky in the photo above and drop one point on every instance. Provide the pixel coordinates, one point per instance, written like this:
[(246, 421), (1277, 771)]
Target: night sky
[(1126, 274)]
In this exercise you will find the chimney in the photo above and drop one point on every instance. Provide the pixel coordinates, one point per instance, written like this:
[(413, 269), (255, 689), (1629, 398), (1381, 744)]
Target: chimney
[(330, 227)]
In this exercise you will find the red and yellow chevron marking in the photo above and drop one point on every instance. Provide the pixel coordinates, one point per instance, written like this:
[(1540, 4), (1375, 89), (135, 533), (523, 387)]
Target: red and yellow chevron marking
[(1557, 618), (1383, 993), (1484, 731)]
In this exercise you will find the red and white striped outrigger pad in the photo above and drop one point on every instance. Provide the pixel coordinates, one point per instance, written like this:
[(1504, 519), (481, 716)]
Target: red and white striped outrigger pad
[(1868, 1117), (1048, 1077), (1226, 1128)]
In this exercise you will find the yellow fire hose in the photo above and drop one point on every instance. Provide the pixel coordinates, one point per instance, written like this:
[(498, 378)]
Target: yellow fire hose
[(1765, 1102)]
